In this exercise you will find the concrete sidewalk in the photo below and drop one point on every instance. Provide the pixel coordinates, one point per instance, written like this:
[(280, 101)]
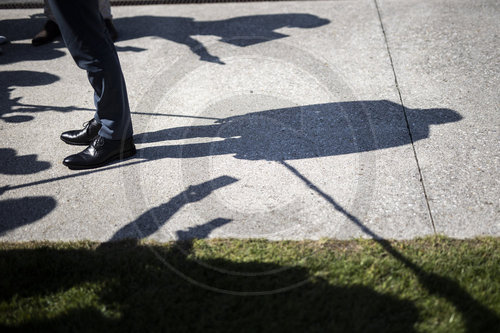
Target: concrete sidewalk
[(284, 120)]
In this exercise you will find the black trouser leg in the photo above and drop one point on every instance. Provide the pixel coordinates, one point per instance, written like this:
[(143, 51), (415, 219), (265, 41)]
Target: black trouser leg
[(85, 35)]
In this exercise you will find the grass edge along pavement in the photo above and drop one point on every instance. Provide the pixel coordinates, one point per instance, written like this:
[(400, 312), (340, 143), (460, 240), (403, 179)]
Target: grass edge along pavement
[(433, 284)]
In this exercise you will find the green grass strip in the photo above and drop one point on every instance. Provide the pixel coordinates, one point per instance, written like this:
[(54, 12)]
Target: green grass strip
[(433, 284)]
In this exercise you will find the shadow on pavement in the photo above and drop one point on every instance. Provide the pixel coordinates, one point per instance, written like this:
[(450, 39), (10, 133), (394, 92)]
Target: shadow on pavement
[(152, 220), (15, 213), (301, 132), (26, 28), (10, 79), (275, 135), (239, 31), (12, 164)]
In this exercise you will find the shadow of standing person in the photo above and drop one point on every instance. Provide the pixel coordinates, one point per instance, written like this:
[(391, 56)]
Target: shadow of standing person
[(239, 31), (302, 132)]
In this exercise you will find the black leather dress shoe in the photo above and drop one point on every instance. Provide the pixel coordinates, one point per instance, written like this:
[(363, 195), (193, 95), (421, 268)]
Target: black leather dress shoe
[(101, 152), (82, 137), (49, 32)]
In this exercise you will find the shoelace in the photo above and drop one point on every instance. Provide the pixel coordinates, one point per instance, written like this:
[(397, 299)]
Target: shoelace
[(98, 142), (86, 125)]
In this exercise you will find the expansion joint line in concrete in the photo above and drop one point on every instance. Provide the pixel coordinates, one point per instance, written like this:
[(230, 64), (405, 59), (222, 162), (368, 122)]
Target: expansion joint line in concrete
[(406, 117)]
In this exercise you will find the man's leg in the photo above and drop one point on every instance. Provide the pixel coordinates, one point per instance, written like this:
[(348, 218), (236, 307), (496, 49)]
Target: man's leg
[(85, 35)]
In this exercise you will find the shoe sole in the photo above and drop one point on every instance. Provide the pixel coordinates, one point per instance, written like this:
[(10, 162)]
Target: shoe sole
[(120, 156), (42, 42)]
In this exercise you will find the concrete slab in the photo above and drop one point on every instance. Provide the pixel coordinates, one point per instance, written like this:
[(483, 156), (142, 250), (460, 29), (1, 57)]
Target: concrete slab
[(276, 120), (446, 55)]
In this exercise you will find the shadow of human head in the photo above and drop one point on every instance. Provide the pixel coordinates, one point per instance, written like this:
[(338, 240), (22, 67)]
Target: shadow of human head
[(13, 164), (249, 30), (15, 213), (431, 117), (304, 21), (21, 78), (302, 132)]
